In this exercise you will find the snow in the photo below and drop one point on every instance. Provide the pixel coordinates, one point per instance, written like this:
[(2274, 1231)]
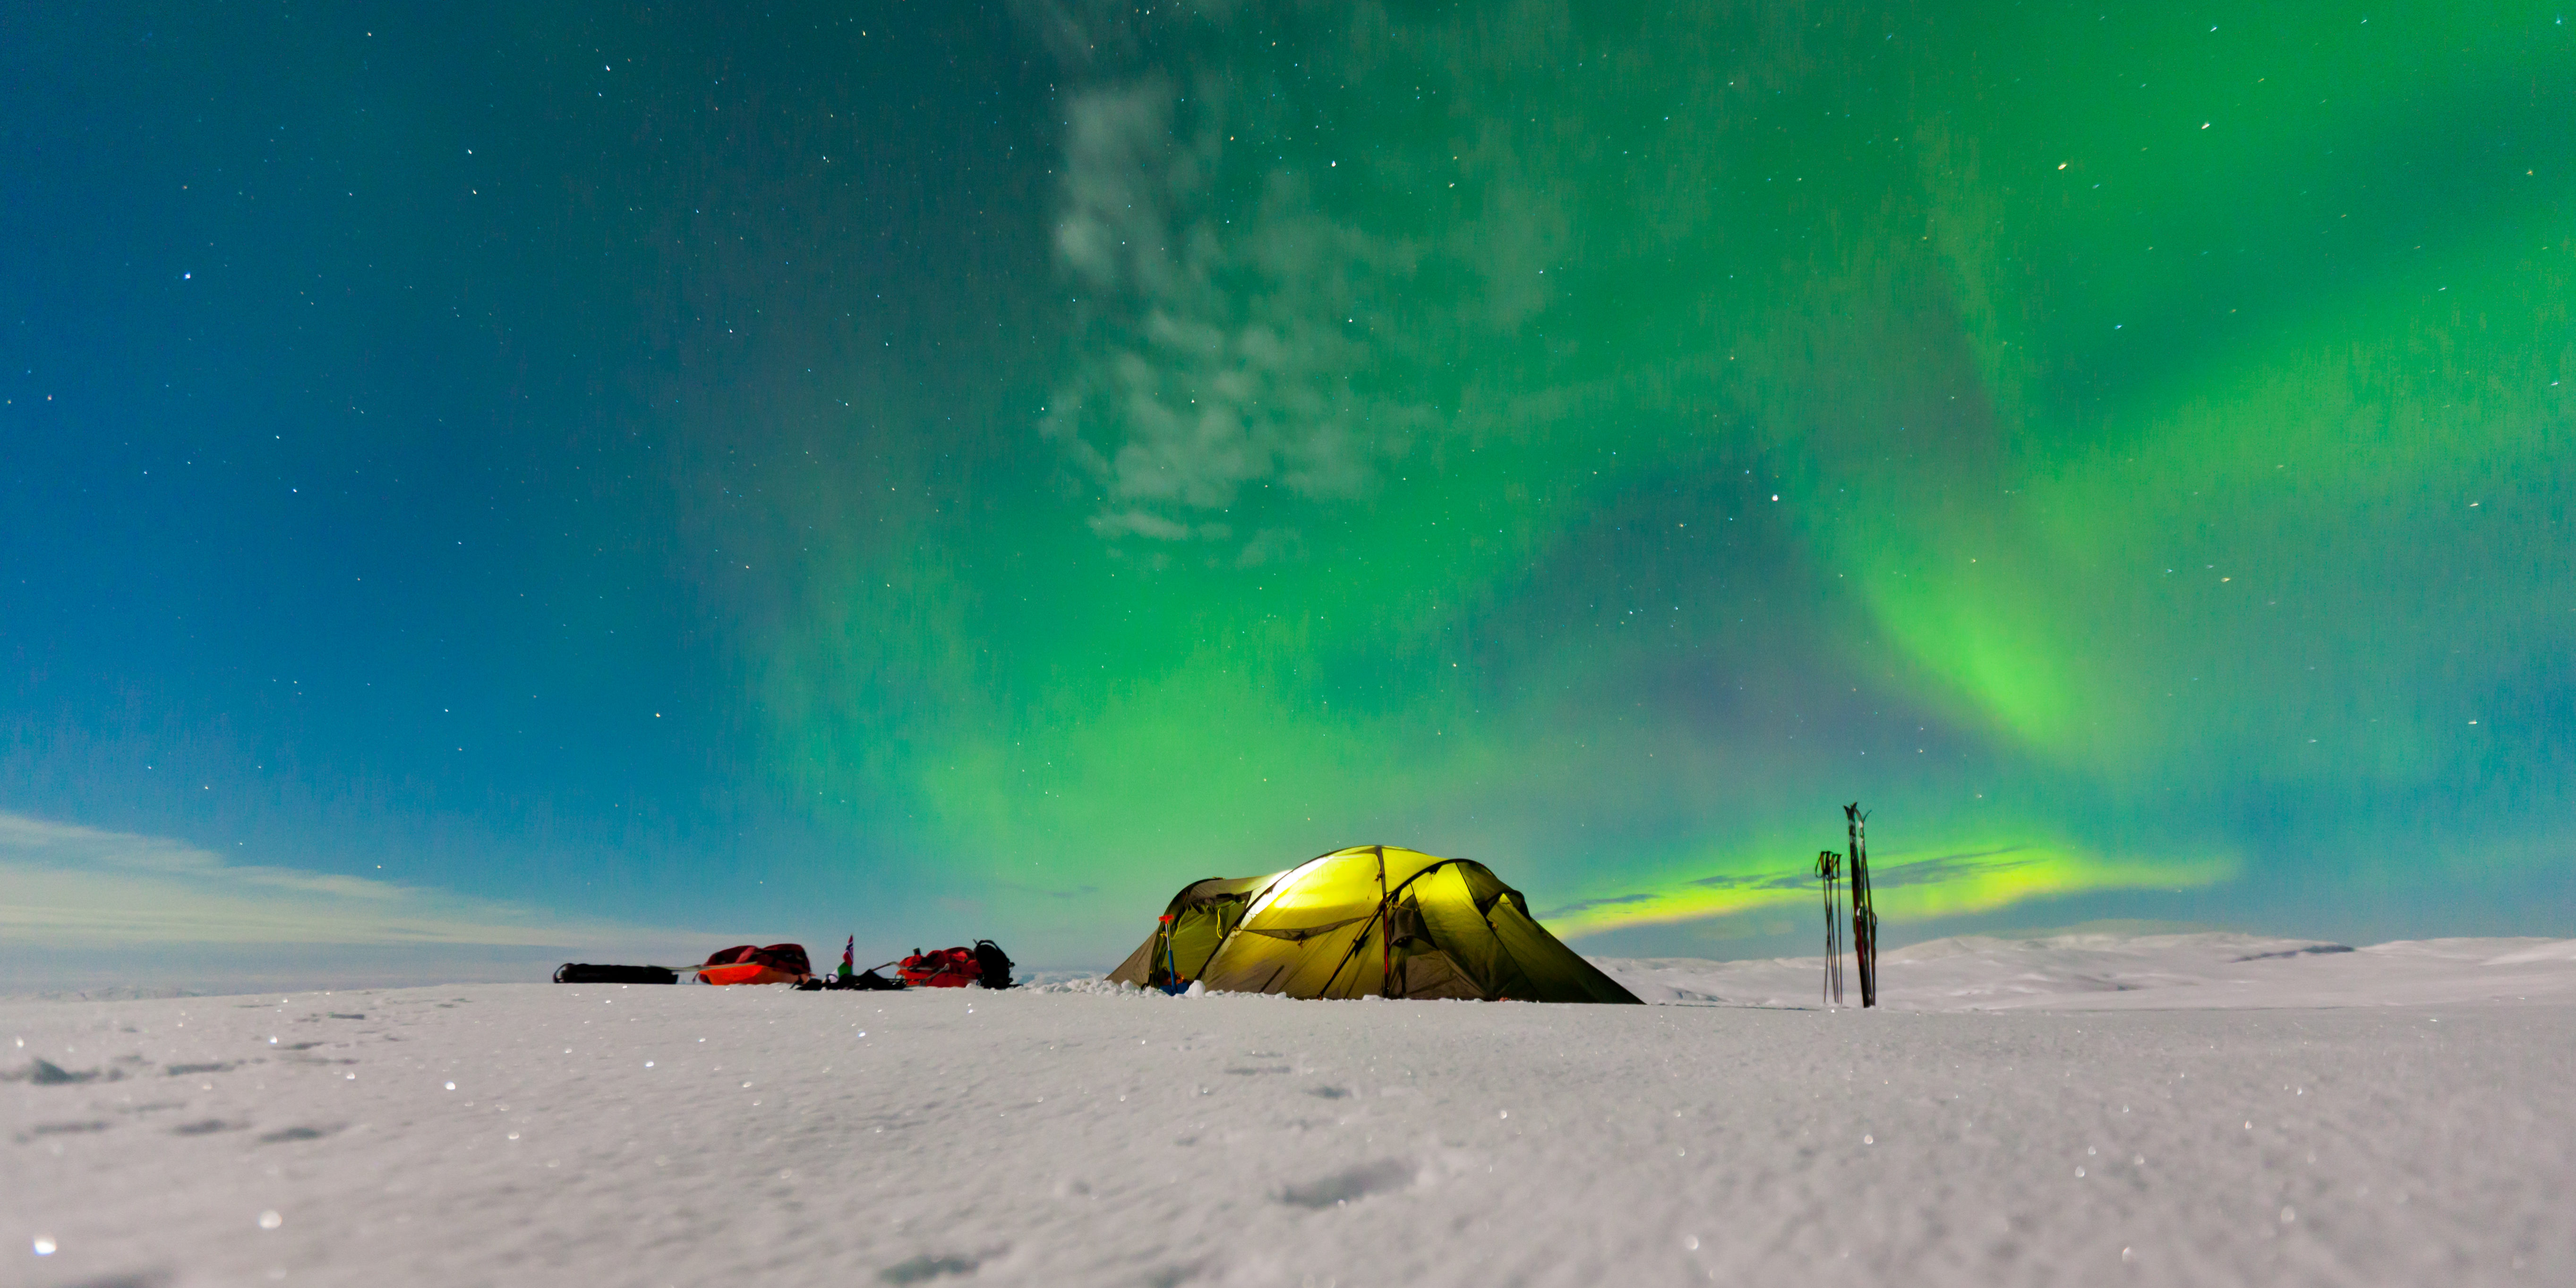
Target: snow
[(2136, 972), (2082, 1109)]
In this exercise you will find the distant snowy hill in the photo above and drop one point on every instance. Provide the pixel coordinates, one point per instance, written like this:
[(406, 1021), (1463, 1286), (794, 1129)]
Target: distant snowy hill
[(2133, 972)]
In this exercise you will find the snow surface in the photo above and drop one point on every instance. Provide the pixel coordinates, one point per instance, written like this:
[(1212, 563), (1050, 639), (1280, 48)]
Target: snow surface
[(2079, 1110), (2135, 972)]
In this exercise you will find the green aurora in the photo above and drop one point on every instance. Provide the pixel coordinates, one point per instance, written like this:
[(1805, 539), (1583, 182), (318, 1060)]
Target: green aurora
[(2124, 449)]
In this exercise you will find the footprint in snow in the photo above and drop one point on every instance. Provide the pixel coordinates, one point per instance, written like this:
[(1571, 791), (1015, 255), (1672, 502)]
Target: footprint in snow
[(147, 1279), (46, 1073), (62, 1129), (1351, 1184), (926, 1267)]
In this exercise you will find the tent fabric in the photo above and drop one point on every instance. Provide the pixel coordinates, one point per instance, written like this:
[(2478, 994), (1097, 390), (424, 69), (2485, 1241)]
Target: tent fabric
[(1193, 924), (1369, 920)]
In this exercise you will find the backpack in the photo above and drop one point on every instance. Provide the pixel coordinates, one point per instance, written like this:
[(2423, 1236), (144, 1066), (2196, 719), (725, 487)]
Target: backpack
[(995, 964)]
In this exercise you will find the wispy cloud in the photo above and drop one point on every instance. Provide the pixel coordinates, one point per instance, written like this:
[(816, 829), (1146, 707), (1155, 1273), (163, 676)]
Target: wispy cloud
[(1939, 868), (1276, 283), (1581, 906), (67, 886), (1230, 322), (1910, 889), (1075, 892)]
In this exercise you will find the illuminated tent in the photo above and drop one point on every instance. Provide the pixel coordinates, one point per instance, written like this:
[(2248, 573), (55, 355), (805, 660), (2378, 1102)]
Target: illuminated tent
[(1372, 919)]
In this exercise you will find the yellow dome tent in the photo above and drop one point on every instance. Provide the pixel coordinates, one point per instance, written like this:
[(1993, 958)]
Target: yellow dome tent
[(1371, 919)]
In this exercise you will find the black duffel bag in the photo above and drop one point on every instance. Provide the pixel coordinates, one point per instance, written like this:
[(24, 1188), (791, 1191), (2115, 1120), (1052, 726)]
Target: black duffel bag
[(586, 973), (866, 981)]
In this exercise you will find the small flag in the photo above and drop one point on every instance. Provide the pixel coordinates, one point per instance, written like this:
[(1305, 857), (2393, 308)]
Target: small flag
[(848, 956)]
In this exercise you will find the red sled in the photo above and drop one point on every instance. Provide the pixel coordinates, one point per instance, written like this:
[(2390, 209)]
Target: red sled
[(941, 968), (984, 964), (745, 964)]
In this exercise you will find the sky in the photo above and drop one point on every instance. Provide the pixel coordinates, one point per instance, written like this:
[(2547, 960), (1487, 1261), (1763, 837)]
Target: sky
[(505, 482)]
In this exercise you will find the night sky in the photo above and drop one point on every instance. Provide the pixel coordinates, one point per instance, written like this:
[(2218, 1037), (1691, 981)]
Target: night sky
[(506, 477)]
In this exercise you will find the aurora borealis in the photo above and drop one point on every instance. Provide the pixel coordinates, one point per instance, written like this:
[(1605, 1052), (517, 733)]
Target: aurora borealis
[(944, 471)]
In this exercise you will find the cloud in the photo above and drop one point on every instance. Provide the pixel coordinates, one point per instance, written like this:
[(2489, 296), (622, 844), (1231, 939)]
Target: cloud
[(1939, 868), (1076, 892), (1275, 284), (1955, 867), (1907, 890), (1229, 325), (66, 886), (1143, 523), (1588, 905)]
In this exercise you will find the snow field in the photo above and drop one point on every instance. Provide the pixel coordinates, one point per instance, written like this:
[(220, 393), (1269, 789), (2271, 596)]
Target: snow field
[(2141, 972), (1083, 1135)]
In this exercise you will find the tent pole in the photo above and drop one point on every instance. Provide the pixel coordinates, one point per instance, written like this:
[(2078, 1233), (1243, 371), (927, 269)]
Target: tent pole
[(1349, 955), (1385, 942)]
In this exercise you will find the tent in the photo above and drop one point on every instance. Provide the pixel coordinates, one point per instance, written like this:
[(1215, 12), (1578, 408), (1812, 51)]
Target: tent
[(1371, 919)]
